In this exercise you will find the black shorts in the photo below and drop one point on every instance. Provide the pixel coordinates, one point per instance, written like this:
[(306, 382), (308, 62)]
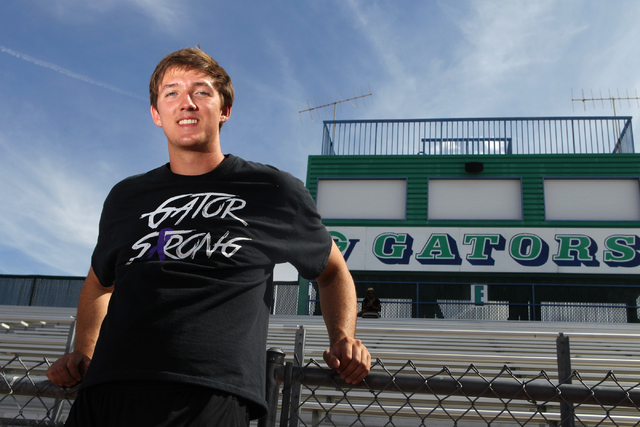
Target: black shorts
[(156, 404)]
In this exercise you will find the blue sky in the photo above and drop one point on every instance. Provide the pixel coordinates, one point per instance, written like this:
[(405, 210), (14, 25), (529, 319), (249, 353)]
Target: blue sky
[(74, 116)]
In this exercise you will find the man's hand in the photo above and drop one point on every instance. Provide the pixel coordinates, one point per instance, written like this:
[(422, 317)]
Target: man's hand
[(69, 369), (92, 308), (350, 358)]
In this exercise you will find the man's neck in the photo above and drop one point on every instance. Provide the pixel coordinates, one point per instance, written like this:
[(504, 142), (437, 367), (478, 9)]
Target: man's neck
[(194, 163)]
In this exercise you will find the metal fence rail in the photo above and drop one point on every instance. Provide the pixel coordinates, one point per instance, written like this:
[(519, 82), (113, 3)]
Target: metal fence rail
[(542, 135), (395, 398), (28, 398), (551, 302), (391, 395)]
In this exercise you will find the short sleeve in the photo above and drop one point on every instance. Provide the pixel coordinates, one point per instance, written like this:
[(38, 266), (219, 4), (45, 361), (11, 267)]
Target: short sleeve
[(309, 245), (103, 259)]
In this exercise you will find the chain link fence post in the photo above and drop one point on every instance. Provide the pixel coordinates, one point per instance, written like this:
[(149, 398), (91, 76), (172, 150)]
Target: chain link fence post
[(275, 359), (296, 389), (564, 377), (59, 403)]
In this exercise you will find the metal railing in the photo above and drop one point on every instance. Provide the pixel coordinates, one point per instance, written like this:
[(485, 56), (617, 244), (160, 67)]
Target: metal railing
[(543, 135), (507, 301), (398, 399), (390, 395), (28, 398)]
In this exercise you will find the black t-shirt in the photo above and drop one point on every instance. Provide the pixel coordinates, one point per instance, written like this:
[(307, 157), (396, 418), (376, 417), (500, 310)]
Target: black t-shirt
[(374, 303), (192, 258)]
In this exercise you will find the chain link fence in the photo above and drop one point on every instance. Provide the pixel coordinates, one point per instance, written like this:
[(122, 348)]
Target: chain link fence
[(285, 299), (27, 398), (393, 394), (405, 396)]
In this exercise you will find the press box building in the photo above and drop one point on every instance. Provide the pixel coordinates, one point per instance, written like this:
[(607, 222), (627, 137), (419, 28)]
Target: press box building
[(513, 218)]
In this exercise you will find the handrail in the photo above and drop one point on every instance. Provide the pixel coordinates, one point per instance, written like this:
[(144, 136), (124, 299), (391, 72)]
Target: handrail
[(481, 136), (511, 389)]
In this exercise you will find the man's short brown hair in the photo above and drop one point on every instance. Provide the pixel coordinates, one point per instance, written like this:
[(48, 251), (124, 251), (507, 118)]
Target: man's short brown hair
[(192, 59)]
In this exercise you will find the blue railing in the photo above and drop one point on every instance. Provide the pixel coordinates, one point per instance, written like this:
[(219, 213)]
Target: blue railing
[(543, 135), (610, 303)]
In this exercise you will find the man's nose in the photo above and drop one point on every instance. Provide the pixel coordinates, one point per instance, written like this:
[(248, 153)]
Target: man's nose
[(187, 103)]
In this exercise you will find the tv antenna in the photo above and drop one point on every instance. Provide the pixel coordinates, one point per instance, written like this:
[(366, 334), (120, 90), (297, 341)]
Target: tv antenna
[(335, 104), (613, 100)]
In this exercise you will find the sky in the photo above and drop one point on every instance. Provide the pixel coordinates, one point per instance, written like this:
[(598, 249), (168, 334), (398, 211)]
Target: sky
[(74, 115)]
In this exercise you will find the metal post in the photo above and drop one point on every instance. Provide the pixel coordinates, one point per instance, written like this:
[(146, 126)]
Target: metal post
[(564, 377), (59, 403), (303, 296), (275, 358), (533, 302), (296, 390), (33, 291), (286, 394)]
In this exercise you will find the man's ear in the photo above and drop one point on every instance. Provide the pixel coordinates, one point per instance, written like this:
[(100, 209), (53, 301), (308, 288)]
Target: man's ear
[(226, 112), (155, 116)]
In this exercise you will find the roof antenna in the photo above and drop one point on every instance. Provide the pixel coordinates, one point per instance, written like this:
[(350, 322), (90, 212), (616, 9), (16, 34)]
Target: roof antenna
[(610, 98), (341, 99), (613, 100)]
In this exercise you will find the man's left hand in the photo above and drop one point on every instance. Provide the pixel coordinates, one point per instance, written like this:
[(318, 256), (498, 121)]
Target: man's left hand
[(350, 358)]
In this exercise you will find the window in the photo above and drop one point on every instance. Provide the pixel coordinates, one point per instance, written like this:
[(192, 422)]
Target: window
[(475, 199), (592, 199), (362, 198)]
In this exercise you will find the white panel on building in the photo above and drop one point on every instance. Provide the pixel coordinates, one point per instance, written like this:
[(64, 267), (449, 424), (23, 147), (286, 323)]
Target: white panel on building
[(362, 198), (591, 199), (475, 199)]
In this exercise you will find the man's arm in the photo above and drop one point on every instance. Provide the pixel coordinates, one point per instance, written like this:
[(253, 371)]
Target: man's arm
[(347, 355), (92, 307)]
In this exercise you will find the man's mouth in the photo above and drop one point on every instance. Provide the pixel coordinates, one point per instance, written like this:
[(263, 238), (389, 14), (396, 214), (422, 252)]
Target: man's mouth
[(187, 122)]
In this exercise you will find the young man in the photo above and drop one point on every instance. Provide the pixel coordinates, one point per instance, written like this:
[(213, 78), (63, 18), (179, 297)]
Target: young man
[(173, 316), (371, 306)]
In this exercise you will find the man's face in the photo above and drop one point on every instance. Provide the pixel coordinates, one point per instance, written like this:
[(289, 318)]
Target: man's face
[(371, 294), (189, 110)]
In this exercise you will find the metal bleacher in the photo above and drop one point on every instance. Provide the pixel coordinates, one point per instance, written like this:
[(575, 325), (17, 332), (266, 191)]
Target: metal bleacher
[(433, 343), (526, 348), (34, 332)]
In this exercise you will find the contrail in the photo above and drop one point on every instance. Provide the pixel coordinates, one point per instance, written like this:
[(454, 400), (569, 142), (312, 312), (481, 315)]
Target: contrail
[(69, 73)]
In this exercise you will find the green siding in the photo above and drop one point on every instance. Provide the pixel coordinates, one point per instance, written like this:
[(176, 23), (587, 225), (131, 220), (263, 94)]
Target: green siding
[(530, 168)]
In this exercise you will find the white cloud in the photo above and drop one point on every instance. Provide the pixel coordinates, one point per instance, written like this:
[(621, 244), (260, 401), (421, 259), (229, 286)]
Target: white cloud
[(390, 52), (164, 14), (68, 73), (50, 214), (503, 37)]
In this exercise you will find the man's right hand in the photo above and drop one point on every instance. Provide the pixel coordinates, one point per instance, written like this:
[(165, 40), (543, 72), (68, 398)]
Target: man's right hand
[(69, 369)]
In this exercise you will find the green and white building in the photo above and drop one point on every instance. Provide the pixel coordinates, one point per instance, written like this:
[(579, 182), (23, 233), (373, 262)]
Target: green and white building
[(515, 218)]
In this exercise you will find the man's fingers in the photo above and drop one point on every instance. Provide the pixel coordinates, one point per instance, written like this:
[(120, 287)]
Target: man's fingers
[(357, 375), (59, 374), (74, 372), (345, 355), (350, 358), (358, 367), (84, 365), (69, 369), (331, 360)]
